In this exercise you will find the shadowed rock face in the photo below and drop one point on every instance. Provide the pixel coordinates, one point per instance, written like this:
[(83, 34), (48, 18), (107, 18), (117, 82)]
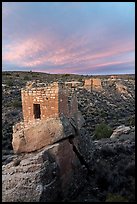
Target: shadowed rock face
[(47, 175), (111, 167)]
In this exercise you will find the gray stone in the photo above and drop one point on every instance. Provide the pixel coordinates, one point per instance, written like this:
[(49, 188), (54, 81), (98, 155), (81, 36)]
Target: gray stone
[(120, 130), (43, 176)]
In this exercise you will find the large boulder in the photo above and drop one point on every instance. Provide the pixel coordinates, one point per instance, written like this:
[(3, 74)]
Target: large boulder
[(41, 134), (51, 174), (121, 88), (122, 129)]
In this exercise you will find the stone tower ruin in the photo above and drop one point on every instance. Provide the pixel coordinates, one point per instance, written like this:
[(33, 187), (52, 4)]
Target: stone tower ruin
[(93, 84), (48, 116), (40, 102)]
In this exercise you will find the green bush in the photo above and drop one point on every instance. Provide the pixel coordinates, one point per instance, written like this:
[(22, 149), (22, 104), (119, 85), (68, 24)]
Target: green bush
[(17, 75), (131, 121), (27, 78), (6, 73), (17, 104), (103, 114), (115, 198), (102, 131), (35, 75), (9, 83), (66, 75)]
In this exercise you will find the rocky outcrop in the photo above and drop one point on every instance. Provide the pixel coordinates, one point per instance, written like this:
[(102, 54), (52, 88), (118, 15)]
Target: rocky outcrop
[(111, 168), (44, 132), (51, 170), (52, 174), (121, 88), (122, 129), (76, 169)]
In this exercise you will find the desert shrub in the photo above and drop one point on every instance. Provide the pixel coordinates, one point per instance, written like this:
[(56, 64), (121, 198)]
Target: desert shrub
[(17, 75), (131, 121), (9, 83), (103, 114), (6, 73), (115, 198), (107, 151), (102, 131), (35, 75), (66, 75), (16, 104), (27, 78), (100, 177), (14, 113), (130, 169)]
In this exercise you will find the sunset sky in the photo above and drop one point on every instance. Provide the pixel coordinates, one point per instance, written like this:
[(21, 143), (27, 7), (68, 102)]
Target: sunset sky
[(79, 38)]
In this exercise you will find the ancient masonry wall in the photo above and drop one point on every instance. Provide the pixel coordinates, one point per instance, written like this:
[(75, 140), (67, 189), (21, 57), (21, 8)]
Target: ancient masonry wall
[(96, 84), (93, 84), (63, 107), (72, 87), (47, 97), (73, 106), (88, 84), (53, 101)]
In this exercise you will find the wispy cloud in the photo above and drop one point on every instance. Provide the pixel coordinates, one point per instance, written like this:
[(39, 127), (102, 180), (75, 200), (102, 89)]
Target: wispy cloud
[(75, 38)]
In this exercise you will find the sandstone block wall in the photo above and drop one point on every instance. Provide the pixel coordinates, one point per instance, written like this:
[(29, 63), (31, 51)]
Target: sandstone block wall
[(52, 100), (73, 106), (93, 84), (113, 77), (96, 84), (88, 84), (63, 107), (73, 86)]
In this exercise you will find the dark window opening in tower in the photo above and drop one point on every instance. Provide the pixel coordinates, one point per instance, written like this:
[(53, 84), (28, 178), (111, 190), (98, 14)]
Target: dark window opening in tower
[(36, 111)]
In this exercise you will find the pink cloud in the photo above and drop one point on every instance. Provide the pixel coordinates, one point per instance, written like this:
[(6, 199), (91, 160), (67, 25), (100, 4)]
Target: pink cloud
[(113, 63), (73, 53)]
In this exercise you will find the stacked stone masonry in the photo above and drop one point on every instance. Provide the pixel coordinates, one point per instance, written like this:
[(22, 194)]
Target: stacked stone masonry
[(51, 99), (93, 84)]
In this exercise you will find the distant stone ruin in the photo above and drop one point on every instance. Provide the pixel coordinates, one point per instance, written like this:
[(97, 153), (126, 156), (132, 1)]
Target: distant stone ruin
[(93, 84), (113, 77)]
